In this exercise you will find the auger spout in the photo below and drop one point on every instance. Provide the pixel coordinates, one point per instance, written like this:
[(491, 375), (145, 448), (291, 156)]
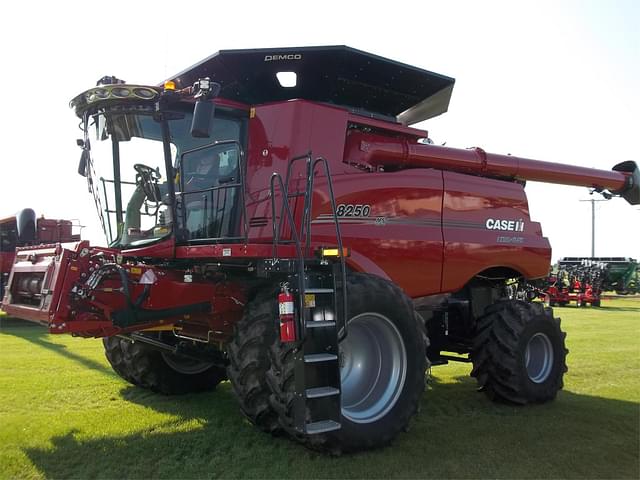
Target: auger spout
[(386, 152)]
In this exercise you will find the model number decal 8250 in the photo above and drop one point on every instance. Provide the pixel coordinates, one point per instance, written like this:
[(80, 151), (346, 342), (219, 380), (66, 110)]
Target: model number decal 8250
[(351, 210)]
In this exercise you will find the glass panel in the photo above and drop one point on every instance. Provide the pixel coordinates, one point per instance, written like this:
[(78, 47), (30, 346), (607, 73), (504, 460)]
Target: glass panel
[(210, 189)]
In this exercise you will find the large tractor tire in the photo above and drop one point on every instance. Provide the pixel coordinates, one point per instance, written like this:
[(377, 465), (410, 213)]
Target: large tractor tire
[(114, 351), (249, 362), (519, 353), (382, 366), (161, 372)]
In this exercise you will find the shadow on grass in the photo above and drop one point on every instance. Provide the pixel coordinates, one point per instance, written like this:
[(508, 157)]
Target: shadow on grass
[(458, 434), (38, 335)]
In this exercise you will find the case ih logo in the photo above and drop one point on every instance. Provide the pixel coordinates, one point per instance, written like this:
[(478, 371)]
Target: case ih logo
[(290, 56), (508, 225)]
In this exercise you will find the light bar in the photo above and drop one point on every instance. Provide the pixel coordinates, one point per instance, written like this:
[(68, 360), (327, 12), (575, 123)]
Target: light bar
[(120, 92)]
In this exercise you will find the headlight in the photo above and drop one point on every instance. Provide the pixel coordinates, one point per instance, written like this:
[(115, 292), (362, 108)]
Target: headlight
[(145, 93), (120, 92)]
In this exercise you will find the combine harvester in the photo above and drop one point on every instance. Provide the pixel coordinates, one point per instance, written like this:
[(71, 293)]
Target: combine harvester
[(290, 232)]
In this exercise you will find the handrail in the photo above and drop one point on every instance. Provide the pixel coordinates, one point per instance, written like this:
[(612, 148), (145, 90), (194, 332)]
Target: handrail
[(308, 157), (305, 225), (276, 230), (332, 199)]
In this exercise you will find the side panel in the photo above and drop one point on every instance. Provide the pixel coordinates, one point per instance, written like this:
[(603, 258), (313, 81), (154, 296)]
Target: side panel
[(392, 224), (486, 224), (278, 133)]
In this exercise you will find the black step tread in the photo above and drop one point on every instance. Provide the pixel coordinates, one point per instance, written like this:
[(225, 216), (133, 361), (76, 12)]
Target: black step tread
[(319, 290), (321, 427), (321, 324), (319, 392), (319, 357)]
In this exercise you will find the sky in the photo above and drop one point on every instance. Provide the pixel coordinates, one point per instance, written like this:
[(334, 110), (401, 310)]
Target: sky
[(549, 80)]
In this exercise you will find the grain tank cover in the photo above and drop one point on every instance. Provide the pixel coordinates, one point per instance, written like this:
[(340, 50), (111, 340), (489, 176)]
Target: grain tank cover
[(338, 75)]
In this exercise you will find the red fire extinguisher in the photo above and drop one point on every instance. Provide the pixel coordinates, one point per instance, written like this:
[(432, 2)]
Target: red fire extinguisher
[(287, 318)]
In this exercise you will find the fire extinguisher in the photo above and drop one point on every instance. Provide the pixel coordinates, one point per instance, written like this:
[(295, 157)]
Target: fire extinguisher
[(287, 317)]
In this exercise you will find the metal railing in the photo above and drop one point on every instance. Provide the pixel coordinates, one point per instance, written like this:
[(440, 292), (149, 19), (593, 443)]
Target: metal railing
[(304, 233)]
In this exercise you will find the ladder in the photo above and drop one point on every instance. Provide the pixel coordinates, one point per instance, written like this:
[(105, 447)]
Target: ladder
[(320, 289)]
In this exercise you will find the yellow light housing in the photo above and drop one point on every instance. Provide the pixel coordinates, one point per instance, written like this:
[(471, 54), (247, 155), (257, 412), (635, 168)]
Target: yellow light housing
[(169, 85), (334, 252)]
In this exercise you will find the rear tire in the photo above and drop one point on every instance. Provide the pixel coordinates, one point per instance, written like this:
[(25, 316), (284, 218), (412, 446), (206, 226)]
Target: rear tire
[(519, 353), (388, 338), (158, 371)]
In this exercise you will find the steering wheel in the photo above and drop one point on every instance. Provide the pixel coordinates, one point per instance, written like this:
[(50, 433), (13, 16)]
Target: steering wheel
[(147, 178)]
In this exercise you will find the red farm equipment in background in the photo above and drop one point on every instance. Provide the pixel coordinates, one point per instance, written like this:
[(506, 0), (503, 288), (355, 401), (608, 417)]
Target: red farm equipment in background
[(584, 279), (580, 282), (300, 239), (24, 229)]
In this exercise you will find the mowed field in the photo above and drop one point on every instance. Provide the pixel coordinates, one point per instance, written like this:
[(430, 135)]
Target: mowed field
[(65, 414)]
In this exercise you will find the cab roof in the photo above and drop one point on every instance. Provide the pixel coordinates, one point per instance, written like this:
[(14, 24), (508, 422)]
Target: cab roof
[(338, 75)]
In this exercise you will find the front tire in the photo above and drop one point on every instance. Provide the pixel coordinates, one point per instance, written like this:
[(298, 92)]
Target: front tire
[(249, 361), (383, 363), (519, 353), (114, 351), (161, 372)]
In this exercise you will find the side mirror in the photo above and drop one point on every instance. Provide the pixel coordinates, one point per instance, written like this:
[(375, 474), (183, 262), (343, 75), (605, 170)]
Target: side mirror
[(202, 114), (26, 223), (84, 162), (206, 91)]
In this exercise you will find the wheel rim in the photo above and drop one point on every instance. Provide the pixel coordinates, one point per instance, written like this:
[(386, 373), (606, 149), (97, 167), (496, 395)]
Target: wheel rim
[(185, 365), (538, 358), (373, 368)]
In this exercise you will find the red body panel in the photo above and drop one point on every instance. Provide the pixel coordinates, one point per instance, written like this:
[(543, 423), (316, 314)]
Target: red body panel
[(471, 247), (402, 238)]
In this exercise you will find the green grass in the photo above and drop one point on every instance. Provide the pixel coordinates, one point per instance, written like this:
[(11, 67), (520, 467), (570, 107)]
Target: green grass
[(64, 413)]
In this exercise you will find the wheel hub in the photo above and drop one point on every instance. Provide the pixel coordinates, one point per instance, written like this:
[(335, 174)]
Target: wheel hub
[(372, 368), (538, 357), (185, 365)]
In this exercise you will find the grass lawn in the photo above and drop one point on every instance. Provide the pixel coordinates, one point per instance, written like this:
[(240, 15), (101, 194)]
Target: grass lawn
[(64, 413)]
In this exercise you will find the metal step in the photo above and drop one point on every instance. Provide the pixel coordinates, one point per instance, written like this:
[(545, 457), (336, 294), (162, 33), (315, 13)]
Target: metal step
[(321, 427), (321, 324), (319, 290), (319, 392), (319, 357)]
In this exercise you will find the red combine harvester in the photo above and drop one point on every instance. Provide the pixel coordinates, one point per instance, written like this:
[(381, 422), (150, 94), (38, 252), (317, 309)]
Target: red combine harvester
[(24, 229), (273, 220)]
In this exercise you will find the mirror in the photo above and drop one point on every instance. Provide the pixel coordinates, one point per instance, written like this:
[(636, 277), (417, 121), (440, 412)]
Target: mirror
[(26, 223), (84, 162), (202, 113)]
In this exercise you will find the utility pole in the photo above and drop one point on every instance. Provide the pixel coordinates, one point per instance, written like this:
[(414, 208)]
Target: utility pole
[(593, 222)]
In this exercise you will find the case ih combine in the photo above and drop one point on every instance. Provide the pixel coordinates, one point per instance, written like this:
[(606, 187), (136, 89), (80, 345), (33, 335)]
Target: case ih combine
[(274, 220), (24, 229)]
